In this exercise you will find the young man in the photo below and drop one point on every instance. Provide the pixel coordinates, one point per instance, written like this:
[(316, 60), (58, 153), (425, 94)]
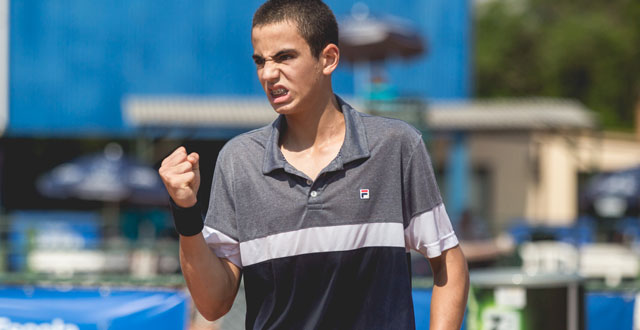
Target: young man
[(316, 210)]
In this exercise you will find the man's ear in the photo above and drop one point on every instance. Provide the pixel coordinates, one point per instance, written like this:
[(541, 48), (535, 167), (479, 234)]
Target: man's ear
[(330, 56)]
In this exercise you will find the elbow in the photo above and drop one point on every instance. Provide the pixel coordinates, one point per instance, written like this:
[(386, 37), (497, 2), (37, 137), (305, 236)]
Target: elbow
[(212, 316), (213, 313)]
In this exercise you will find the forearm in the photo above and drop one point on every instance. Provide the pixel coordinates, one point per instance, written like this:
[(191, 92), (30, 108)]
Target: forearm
[(450, 290), (213, 282)]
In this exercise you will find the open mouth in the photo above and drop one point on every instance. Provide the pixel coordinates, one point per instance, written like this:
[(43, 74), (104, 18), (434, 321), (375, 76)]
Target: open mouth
[(279, 92)]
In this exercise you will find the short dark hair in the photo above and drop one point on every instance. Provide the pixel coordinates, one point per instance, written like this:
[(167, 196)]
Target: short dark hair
[(314, 19)]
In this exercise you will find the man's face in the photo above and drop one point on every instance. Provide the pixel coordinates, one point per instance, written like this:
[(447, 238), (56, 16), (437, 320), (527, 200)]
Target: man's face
[(286, 69)]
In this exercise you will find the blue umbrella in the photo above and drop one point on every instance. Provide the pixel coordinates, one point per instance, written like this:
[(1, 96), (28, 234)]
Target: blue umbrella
[(367, 41), (108, 177), (613, 194), (364, 38)]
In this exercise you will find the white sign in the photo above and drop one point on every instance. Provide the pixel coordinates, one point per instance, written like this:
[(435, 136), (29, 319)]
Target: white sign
[(56, 324), (515, 297), (500, 319)]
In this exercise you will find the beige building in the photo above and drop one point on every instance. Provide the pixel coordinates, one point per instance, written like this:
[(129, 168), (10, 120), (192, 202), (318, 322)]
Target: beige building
[(534, 154)]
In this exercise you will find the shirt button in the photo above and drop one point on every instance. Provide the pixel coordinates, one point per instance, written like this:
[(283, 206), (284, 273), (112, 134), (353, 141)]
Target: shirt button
[(309, 182), (314, 193)]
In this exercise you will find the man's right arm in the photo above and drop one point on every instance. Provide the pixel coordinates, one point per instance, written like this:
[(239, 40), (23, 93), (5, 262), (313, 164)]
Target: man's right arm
[(212, 281)]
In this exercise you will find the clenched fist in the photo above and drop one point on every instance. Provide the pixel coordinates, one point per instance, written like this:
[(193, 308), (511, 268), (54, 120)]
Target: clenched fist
[(181, 175)]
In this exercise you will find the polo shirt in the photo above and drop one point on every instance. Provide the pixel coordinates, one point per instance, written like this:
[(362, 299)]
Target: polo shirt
[(329, 253)]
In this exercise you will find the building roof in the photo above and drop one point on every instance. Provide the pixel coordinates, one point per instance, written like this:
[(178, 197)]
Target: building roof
[(198, 111), (252, 112), (510, 114)]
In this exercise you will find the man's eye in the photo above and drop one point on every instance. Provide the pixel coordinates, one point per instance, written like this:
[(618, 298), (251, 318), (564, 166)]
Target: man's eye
[(285, 57), (259, 61)]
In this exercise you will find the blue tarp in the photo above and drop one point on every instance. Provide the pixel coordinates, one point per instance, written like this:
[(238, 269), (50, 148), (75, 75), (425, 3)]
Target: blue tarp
[(421, 305), (610, 310), (421, 308), (91, 309), (603, 310)]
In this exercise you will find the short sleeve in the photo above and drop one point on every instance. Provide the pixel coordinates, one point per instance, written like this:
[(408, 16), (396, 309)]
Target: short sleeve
[(428, 229), (220, 229)]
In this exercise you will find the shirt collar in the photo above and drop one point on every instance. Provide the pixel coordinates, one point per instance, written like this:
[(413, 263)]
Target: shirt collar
[(354, 147)]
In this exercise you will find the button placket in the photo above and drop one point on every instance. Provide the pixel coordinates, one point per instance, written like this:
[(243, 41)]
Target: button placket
[(318, 185)]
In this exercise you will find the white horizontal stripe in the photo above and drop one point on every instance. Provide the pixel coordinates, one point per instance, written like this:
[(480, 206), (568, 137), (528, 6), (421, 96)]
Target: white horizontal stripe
[(322, 239), (430, 232), (222, 245)]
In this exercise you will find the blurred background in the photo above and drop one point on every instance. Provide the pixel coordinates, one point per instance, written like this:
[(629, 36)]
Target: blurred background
[(529, 108)]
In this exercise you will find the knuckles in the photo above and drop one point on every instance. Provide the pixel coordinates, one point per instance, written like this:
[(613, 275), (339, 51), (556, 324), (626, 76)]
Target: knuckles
[(179, 174)]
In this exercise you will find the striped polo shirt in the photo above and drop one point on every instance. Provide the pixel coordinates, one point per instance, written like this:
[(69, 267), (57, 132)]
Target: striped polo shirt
[(329, 253)]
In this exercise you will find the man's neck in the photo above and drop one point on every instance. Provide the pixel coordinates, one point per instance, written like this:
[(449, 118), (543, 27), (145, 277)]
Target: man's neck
[(315, 126)]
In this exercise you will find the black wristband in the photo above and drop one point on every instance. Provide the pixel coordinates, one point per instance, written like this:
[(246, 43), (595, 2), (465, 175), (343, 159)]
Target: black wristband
[(187, 220)]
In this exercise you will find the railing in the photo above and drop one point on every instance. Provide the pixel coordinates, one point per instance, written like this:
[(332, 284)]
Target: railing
[(407, 109)]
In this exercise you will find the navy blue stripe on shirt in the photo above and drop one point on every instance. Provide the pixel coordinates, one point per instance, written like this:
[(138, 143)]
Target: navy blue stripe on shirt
[(367, 288)]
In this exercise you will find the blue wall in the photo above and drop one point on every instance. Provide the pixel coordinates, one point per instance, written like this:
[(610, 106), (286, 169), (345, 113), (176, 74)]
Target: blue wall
[(87, 308), (72, 61)]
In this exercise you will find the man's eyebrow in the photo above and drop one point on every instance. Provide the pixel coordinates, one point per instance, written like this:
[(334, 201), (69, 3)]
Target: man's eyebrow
[(285, 51), (280, 53)]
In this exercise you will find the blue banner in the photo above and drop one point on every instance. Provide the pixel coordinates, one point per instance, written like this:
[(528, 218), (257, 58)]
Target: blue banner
[(603, 310), (91, 309), (610, 310)]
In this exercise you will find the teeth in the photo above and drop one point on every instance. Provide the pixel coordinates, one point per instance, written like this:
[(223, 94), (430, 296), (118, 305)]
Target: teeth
[(278, 92)]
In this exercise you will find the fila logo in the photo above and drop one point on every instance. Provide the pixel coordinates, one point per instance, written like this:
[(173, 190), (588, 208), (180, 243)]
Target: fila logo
[(364, 193)]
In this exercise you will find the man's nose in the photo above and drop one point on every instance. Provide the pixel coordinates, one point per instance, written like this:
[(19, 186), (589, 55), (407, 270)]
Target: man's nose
[(270, 71)]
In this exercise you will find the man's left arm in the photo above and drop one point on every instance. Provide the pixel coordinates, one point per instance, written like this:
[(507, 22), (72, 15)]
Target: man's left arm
[(450, 289), (428, 230)]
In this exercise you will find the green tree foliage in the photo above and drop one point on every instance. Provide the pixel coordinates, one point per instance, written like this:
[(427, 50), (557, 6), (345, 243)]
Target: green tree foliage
[(587, 50)]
